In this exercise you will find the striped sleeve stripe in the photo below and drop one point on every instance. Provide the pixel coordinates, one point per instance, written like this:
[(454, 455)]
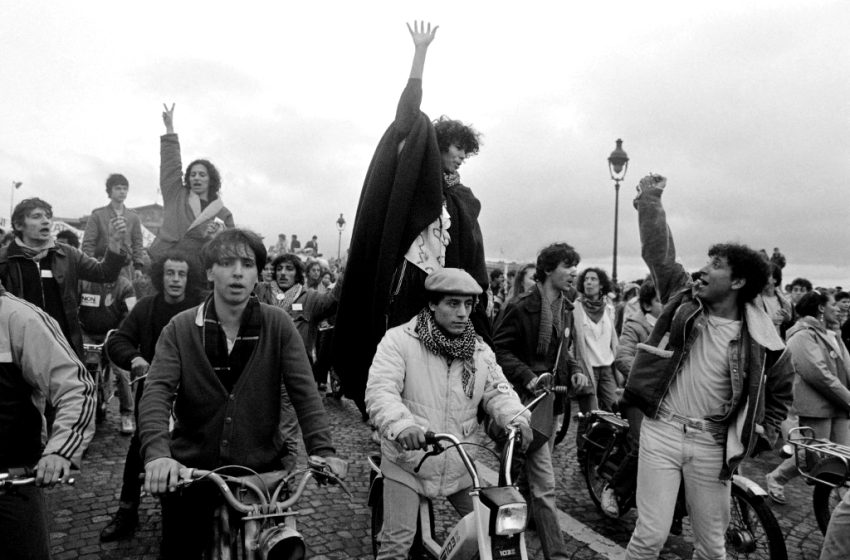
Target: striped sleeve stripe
[(75, 438)]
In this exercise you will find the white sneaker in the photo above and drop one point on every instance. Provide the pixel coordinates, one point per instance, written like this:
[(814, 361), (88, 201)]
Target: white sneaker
[(608, 501), (128, 425)]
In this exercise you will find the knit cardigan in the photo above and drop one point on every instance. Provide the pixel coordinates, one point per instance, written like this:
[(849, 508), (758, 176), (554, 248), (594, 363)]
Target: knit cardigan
[(213, 427)]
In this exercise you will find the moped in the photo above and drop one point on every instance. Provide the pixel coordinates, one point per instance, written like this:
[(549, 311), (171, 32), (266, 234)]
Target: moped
[(257, 521), (495, 529)]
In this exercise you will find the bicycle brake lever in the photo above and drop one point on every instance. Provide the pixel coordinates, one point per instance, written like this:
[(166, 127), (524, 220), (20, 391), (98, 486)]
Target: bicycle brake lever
[(437, 449)]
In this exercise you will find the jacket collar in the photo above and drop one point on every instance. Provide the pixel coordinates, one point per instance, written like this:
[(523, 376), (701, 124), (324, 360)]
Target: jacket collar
[(761, 328)]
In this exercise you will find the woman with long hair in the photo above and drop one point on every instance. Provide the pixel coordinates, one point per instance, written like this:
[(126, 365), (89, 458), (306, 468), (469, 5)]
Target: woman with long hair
[(595, 340), (193, 211)]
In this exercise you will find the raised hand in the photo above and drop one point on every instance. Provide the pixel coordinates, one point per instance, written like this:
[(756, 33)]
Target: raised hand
[(168, 118), (421, 35)]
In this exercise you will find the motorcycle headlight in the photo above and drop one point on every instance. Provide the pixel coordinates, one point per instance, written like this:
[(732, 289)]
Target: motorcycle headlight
[(511, 519), (508, 510)]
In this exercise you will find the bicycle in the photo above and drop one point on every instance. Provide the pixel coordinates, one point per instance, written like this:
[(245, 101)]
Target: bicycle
[(824, 465), (16, 477), (753, 531), (263, 502)]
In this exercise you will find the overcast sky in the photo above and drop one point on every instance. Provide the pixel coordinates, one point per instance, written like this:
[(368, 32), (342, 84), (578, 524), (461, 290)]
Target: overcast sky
[(742, 105)]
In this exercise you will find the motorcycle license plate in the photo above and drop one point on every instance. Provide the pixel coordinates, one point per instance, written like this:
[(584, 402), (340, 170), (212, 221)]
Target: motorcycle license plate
[(506, 548)]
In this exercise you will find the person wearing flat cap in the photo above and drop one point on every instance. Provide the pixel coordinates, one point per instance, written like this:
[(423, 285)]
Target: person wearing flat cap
[(431, 373)]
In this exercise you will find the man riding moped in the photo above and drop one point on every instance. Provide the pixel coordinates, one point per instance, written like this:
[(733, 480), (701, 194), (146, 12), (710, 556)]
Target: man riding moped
[(431, 374)]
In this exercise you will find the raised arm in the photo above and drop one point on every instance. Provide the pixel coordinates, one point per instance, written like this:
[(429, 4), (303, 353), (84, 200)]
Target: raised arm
[(422, 35), (657, 246), (170, 165)]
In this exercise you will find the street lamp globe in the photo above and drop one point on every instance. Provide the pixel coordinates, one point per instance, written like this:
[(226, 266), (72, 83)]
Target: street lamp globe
[(618, 162)]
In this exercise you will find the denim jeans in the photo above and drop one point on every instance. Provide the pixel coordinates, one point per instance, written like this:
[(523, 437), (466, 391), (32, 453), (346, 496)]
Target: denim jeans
[(670, 453), (540, 474), (835, 429), (124, 390), (401, 512), (606, 387), (836, 542)]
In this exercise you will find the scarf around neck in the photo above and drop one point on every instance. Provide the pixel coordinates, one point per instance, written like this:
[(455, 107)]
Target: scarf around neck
[(228, 366), (461, 347), (550, 320), (594, 309), (34, 254)]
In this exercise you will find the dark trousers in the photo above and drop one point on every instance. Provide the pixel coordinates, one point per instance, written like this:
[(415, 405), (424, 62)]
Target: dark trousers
[(187, 521), (23, 525), (324, 355), (133, 464)]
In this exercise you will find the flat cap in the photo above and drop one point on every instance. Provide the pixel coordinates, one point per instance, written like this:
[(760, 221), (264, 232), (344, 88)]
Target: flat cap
[(452, 281)]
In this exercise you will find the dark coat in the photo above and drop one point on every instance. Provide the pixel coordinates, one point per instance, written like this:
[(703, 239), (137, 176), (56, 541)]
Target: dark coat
[(69, 266), (515, 341), (402, 194)]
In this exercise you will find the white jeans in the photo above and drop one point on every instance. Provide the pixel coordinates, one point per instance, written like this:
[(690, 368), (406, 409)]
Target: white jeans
[(670, 453)]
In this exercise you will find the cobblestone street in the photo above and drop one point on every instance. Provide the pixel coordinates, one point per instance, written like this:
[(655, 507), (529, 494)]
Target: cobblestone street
[(335, 526)]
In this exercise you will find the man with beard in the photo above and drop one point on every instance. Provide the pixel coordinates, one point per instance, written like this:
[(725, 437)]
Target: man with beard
[(132, 348)]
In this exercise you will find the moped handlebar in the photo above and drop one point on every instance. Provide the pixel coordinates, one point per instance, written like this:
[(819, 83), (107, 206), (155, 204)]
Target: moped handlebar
[(24, 476)]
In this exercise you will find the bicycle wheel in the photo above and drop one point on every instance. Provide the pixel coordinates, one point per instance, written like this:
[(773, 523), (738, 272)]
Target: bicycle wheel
[(824, 500), (753, 531), (597, 475), (562, 432)]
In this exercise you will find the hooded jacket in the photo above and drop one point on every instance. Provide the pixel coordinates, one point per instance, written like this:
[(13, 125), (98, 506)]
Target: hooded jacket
[(822, 364), (759, 369)]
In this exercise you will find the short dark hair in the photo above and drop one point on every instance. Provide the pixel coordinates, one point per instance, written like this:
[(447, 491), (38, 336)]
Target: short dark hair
[(68, 237), (496, 273), (23, 209), (115, 179), (746, 265), (194, 278), (604, 281), (215, 177), (809, 304), (294, 261), (463, 136), (803, 283), (550, 257), (224, 244), (646, 294), (841, 295)]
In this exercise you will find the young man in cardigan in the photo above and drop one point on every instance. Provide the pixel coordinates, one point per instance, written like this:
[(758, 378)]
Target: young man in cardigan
[(221, 367)]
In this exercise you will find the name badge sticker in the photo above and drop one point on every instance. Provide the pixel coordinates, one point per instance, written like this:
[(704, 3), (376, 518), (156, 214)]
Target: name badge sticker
[(46, 273), (298, 307), (90, 300)]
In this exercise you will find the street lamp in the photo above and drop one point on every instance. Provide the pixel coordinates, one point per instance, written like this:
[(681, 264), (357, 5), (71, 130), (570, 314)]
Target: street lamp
[(618, 164), (15, 186), (340, 225)]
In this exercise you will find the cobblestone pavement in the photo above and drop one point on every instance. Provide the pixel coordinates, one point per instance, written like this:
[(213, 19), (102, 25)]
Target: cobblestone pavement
[(335, 526)]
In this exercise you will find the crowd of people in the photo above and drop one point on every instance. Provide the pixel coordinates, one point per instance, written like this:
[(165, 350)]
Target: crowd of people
[(224, 353)]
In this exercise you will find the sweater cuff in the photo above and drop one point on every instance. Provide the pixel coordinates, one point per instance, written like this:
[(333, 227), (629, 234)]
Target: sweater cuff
[(398, 427)]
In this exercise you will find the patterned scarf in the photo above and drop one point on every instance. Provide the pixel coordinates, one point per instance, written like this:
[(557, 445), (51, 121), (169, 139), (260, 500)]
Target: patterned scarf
[(228, 366), (451, 179), (289, 296), (594, 309), (461, 347), (550, 320)]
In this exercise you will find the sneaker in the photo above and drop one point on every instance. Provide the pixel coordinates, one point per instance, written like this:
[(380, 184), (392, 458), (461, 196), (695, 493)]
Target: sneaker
[(608, 501), (122, 525), (775, 490), (128, 425)]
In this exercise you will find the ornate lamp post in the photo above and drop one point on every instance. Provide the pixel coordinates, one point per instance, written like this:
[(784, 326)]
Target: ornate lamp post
[(618, 164), (340, 225)]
